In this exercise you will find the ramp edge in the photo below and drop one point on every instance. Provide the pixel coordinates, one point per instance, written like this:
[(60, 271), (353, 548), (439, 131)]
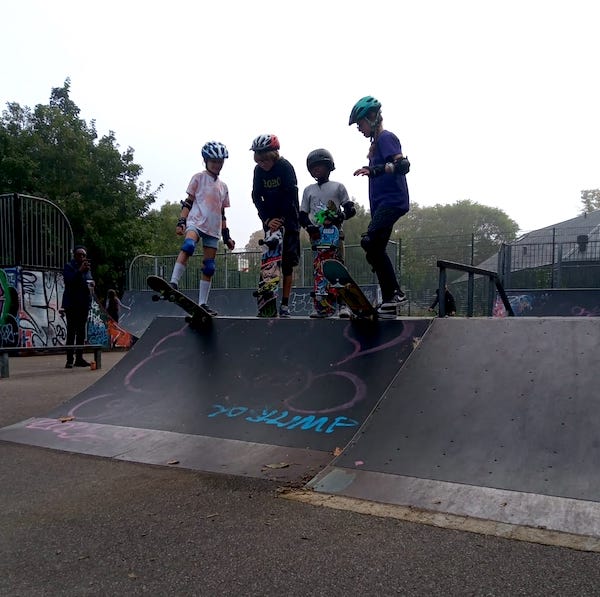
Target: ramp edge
[(168, 448), (535, 518)]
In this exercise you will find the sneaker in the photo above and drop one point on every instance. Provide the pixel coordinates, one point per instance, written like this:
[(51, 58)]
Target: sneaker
[(314, 314), (174, 285), (210, 311), (284, 311), (69, 366), (81, 363), (393, 303), (344, 312)]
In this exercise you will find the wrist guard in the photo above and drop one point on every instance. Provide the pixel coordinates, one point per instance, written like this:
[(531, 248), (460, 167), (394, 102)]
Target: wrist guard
[(375, 171), (401, 166), (181, 222), (349, 210), (226, 235)]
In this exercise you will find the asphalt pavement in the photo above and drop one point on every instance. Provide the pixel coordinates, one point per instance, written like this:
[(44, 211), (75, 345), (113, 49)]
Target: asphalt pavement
[(72, 524)]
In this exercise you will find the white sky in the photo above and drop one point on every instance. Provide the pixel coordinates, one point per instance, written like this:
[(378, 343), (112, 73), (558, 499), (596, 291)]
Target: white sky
[(493, 101)]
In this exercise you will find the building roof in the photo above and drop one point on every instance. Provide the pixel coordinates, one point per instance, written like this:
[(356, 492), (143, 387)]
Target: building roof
[(562, 241)]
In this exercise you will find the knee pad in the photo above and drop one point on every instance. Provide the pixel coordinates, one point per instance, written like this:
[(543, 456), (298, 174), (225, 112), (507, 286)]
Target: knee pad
[(209, 267), (366, 242), (188, 246)]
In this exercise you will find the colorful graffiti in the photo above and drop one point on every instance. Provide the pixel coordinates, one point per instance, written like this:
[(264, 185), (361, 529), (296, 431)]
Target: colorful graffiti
[(31, 317)]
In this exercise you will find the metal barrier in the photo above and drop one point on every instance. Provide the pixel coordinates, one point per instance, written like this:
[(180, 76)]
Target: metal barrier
[(472, 272), (241, 270), (34, 233)]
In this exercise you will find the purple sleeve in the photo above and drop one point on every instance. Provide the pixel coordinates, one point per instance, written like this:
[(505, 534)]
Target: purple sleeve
[(389, 145)]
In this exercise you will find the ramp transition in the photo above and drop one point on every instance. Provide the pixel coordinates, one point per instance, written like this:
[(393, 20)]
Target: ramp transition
[(253, 397), (492, 419)]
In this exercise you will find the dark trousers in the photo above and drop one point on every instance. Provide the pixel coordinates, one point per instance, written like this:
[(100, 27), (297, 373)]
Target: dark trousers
[(76, 329), (379, 232)]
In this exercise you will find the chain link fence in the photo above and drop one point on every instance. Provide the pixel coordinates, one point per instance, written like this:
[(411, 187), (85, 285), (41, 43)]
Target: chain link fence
[(566, 260)]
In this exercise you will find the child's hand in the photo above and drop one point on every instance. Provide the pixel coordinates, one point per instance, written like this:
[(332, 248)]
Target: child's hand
[(275, 224), (364, 171), (230, 244)]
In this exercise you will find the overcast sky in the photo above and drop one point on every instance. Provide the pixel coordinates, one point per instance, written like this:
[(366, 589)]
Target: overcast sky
[(493, 101)]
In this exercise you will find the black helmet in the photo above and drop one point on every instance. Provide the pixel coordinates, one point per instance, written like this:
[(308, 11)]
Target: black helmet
[(320, 156)]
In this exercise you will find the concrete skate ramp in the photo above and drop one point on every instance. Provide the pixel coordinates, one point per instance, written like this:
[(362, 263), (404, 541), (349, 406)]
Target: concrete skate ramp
[(495, 419), (270, 398), (233, 302)]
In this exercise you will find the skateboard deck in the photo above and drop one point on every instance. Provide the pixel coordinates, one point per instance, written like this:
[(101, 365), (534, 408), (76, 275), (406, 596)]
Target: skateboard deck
[(324, 248), (198, 317), (350, 292), (270, 273)]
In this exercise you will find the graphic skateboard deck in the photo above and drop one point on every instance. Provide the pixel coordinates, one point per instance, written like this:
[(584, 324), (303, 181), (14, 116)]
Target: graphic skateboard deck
[(350, 292), (270, 273), (324, 248), (198, 317)]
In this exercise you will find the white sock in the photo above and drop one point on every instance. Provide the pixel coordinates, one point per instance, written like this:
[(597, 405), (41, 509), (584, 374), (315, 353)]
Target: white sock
[(178, 271), (204, 290)]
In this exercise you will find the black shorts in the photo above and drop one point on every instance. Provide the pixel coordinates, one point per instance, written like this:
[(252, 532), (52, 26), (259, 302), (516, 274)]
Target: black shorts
[(291, 251)]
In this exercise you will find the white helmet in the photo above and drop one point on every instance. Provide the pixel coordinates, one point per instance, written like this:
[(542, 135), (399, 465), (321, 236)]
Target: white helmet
[(265, 143), (213, 150)]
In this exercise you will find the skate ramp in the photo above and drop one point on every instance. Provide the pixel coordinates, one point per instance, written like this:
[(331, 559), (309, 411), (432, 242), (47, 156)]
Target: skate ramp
[(490, 419), (266, 398), (232, 302)]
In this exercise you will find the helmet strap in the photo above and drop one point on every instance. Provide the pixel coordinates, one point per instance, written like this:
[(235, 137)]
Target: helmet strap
[(213, 174)]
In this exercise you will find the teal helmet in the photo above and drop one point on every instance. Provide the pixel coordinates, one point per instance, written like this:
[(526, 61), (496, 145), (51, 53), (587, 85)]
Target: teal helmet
[(362, 107)]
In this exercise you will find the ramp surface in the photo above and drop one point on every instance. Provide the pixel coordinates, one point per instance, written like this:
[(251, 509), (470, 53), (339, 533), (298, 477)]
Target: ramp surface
[(490, 418), (252, 397)]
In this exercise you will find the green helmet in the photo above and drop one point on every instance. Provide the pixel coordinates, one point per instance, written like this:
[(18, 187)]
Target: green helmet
[(362, 107)]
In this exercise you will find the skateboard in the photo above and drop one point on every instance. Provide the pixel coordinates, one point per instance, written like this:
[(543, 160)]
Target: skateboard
[(350, 292), (270, 273), (197, 317), (324, 248)]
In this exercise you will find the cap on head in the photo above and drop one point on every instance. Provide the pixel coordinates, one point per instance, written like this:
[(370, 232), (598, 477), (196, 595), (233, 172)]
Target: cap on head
[(213, 150), (320, 156), (362, 107), (265, 143)]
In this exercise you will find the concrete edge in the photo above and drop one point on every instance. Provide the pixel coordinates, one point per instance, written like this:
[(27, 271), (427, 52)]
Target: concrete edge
[(550, 520)]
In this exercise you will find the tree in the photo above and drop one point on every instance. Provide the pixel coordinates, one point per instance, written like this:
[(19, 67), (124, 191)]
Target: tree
[(161, 230), (590, 200), (50, 152), (464, 232)]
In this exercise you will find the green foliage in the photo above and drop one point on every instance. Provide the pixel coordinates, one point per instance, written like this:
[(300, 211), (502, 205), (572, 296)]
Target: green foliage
[(162, 239), (590, 200), (50, 152), (465, 232)]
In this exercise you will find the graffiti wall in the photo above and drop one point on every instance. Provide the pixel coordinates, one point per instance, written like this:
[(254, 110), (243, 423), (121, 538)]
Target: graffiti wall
[(30, 314), (563, 302)]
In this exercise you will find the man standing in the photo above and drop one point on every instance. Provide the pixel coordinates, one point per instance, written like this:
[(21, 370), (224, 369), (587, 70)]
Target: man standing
[(76, 303)]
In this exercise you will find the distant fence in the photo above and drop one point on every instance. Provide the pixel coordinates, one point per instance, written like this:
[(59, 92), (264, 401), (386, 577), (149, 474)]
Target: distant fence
[(241, 270), (34, 233)]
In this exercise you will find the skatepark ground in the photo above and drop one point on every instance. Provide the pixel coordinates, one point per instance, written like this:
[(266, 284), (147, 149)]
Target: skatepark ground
[(79, 524)]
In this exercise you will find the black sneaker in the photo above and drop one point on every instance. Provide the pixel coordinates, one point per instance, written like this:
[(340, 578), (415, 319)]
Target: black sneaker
[(69, 366), (210, 311), (81, 363), (174, 285), (393, 303)]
